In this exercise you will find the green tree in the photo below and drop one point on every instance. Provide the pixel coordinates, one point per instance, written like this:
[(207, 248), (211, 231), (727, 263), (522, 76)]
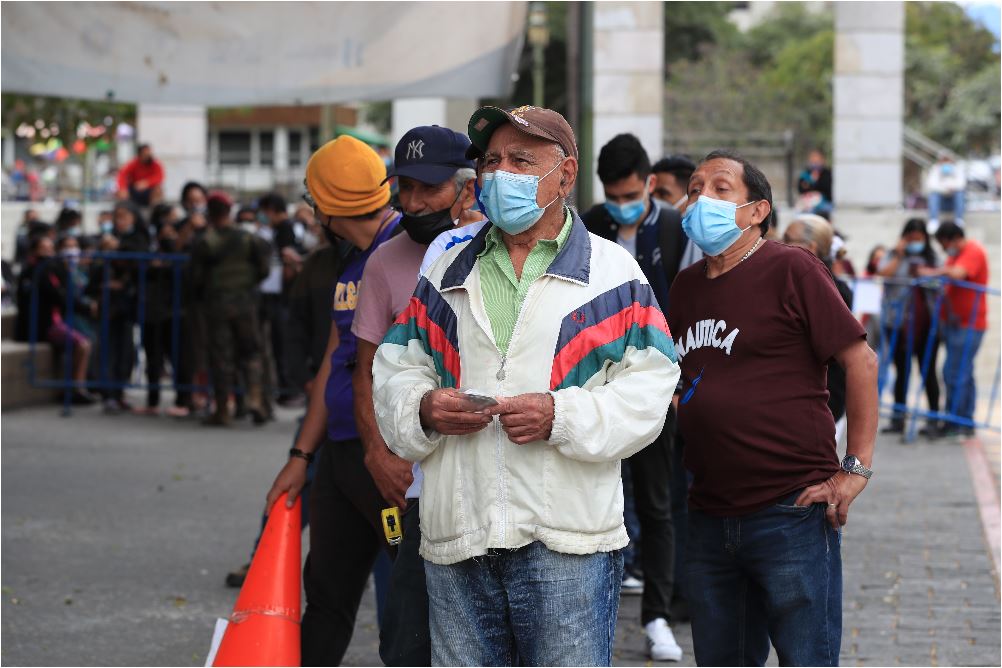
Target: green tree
[(951, 77)]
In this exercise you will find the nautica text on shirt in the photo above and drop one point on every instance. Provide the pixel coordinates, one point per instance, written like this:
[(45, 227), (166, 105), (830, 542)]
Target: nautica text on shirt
[(706, 333)]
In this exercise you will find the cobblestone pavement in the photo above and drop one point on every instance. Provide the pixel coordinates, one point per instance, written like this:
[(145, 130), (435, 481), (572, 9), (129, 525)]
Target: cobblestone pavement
[(117, 533)]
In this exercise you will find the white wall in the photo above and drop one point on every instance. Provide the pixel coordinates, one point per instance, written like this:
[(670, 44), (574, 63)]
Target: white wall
[(179, 137)]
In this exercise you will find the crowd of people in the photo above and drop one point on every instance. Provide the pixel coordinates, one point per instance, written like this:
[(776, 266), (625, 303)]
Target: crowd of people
[(642, 398), (218, 296)]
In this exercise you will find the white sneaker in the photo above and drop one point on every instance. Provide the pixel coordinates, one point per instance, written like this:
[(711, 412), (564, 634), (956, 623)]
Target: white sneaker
[(661, 642), (631, 585)]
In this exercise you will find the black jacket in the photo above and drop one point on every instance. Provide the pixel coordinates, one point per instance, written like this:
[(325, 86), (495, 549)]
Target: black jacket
[(660, 244)]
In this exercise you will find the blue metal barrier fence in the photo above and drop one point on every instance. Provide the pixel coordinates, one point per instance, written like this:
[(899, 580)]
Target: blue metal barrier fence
[(142, 263), (900, 330)]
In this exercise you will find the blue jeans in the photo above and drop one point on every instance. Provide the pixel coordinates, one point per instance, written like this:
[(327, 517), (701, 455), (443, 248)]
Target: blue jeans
[(772, 575), (958, 369), (530, 607), (937, 200)]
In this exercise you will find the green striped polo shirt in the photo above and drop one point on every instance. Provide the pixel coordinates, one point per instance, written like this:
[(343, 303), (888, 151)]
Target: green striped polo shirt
[(503, 293)]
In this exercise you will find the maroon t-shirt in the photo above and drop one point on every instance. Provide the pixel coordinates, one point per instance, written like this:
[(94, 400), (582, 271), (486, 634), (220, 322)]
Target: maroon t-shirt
[(754, 345)]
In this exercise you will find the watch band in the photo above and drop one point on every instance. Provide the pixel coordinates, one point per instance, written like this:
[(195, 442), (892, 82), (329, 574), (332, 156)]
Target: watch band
[(851, 464), (859, 469), (296, 452)]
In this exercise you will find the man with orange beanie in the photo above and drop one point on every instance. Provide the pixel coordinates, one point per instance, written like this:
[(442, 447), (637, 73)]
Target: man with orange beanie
[(345, 183)]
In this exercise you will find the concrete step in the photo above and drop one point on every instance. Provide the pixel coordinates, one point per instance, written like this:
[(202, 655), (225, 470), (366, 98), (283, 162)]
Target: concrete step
[(16, 390)]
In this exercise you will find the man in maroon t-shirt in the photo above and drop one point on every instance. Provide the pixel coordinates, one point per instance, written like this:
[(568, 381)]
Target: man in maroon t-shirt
[(757, 324)]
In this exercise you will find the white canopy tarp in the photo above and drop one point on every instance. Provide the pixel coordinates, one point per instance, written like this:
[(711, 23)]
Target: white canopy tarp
[(252, 53)]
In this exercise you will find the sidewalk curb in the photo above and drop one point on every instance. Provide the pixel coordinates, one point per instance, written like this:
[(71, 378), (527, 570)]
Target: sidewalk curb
[(988, 500)]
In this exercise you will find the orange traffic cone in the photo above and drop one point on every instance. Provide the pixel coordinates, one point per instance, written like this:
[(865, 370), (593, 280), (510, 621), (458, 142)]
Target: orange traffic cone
[(264, 627)]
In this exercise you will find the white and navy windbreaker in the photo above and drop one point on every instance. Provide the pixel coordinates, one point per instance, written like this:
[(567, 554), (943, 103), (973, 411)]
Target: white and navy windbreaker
[(592, 334)]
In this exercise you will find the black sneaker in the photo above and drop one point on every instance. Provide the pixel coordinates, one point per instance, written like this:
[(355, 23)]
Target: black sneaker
[(893, 428), (83, 398), (235, 579), (258, 417)]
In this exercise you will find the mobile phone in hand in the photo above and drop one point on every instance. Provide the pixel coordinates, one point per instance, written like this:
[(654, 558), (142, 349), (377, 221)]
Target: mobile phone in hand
[(481, 401)]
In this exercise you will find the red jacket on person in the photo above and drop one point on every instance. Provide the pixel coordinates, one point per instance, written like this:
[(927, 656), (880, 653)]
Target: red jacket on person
[(137, 170)]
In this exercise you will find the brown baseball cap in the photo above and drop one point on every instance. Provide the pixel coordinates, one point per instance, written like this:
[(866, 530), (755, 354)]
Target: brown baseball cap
[(545, 124)]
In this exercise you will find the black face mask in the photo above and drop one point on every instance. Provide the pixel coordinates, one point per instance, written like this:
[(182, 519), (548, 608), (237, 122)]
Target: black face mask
[(332, 238), (423, 229)]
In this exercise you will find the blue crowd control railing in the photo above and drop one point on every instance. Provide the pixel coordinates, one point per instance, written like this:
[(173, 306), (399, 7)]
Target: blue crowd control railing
[(104, 382), (897, 319)]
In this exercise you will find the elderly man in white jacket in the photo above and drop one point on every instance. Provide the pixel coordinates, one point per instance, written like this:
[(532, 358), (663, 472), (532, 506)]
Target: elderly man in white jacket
[(532, 359)]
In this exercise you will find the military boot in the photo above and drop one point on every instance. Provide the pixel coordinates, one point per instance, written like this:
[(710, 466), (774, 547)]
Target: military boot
[(221, 416)]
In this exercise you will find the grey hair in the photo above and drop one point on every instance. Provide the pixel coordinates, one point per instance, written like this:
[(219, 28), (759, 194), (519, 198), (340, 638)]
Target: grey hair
[(816, 230), (463, 176)]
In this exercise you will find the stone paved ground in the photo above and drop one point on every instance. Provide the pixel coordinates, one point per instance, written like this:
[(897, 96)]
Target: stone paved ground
[(117, 534)]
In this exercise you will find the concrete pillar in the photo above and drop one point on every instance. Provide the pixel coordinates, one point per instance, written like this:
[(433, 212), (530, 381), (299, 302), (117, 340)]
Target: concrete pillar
[(869, 104), (411, 112), (628, 78), (281, 149), (9, 148), (179, 137)]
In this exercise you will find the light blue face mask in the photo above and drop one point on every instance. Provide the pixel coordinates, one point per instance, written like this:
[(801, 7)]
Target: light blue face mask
[(914, 247), (626, 214), (629, 213), (710, 223), (509, 200)]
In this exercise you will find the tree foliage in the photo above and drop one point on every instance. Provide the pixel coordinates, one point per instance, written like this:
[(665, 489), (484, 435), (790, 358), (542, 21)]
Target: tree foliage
[(778, 75), (951, 77)]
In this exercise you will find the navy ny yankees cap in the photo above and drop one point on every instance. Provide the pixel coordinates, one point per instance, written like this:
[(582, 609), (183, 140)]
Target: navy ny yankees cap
[(430, 154)]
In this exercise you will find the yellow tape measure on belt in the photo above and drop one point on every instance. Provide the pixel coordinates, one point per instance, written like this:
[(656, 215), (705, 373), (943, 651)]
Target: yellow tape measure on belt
[(391, 525)]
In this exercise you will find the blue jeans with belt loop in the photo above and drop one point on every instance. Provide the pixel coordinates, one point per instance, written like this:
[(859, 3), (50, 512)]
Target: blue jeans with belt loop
[(775, 574), (530, 606)]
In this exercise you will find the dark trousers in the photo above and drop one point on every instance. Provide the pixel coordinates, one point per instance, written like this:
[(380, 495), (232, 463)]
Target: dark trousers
[(119, 355), (404, 638), (651, 472), (773, 575), (903, 374), (346, 534), (679, 507), (157, 342), (233, 344), (274, 317)]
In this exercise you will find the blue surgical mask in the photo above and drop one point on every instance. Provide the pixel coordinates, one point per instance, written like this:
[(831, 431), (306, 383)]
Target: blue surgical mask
[(626, 214), (510, 199), (107, 228), (953, 251), (477, 190), (914, 247), (710, 223)]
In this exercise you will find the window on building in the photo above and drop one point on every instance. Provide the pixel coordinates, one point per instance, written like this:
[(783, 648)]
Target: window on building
[(295, 147), (314, 138), (234, 147)]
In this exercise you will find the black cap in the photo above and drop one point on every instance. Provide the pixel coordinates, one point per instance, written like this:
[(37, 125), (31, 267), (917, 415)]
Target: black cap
[(430, 154)]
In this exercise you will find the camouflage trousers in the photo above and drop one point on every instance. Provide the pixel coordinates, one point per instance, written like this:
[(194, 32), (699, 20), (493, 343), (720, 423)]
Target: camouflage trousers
[(234, 343)]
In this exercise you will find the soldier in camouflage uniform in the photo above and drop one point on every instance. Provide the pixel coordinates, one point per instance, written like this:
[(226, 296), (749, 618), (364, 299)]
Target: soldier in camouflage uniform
[(227, 264)]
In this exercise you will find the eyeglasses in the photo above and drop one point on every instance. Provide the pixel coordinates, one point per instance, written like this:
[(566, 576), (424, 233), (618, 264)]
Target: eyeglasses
[(310, 202)]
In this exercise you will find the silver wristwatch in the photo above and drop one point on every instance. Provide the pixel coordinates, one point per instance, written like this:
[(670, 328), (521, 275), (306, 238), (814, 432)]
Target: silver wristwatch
[(851, 464)]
